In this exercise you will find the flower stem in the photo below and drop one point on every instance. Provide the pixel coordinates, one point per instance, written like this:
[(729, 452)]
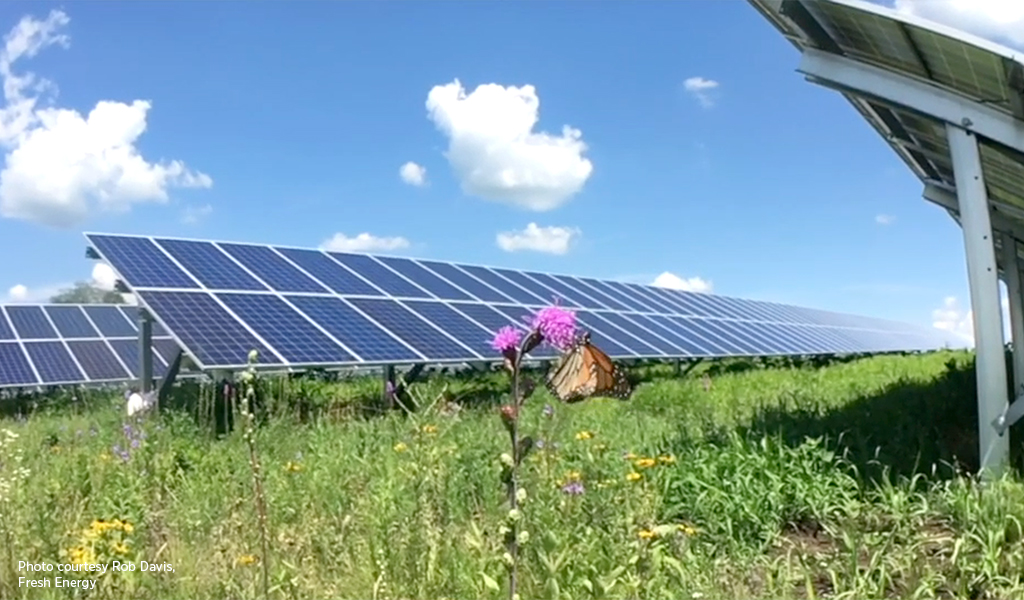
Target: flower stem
[(513, 484)]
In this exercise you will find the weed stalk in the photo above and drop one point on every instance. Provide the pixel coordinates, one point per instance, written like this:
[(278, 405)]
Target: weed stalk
[(250, 379)]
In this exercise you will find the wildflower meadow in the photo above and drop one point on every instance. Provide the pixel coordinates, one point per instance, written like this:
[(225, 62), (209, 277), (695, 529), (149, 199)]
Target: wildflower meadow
[(768, 478)]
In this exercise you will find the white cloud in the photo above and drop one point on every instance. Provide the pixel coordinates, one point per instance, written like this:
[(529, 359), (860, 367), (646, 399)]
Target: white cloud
[(550, 240), (998, 20), (364, 242), (885, 219), (61, 166), (954, 318), (701, 89), (497, 155), (18, 293), (675, 282), (103, 276), (194, 214), (413, 174)]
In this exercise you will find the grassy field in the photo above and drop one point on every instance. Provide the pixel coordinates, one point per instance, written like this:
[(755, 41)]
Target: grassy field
[(842, 481)]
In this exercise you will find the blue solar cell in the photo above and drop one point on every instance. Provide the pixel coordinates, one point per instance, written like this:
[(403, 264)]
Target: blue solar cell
[(424, 278), (210, 266), (687, 346), (379, 275), (651, 339), (665, 297), (71, 322), (470, 284), (141, 262), (565, 291), (740, 337), (827, 338), (645, 295), (128, 352), (272, 268), (806, 340), (642, 302), (609, 339), (504, 286), (132, 314), (413, 330), (329, 272), (110, 321), (755, 310), (31, 323), (776, 337), (622, 297), (6, 333), (211, 334), (714, 338), (53, 362), (14, 366), (699, 339), (359, 334), (591, 292), (549, 296), (293, 337), (167, 349), (706, 304), (456, 325), (98, 361), (493, 320), (683, 305)]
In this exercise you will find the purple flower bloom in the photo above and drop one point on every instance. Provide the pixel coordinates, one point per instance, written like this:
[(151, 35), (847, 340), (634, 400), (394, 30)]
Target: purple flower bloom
[(573, 488), (135, 443), (557, 325), (506, 339), (127, 430)]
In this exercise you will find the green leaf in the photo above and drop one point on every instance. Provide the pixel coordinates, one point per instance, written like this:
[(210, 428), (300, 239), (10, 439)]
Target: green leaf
[(490, 583)]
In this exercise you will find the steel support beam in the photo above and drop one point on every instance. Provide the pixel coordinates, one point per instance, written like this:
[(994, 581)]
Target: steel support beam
[(1015, 299), (145, 351), (849, 75), (983, 275)]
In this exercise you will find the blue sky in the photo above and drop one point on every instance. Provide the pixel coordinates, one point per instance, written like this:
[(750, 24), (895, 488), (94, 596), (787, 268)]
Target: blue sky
[(294, 123)]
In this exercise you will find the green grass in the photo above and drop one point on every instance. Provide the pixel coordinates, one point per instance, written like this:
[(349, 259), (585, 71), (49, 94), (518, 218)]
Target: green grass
[(844, 481)]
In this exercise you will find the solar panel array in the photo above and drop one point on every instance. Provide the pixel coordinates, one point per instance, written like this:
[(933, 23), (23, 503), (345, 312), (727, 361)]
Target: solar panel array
[(303, 308), (63, 344)]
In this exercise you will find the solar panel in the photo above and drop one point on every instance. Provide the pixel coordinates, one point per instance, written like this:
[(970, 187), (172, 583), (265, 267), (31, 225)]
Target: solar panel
[(67, 344), (304, 307)]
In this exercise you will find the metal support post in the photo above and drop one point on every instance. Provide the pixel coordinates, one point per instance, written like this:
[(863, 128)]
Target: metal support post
[(145, 351), (983, 276), (1015, 299)]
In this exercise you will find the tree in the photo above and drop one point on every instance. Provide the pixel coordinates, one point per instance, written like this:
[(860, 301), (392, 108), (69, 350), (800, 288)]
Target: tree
[(85, 293)]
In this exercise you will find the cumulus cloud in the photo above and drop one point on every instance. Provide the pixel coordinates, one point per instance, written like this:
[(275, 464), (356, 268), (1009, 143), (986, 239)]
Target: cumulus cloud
[(194, 214), (103, 276), (17, 293), (364, 242), (885, 219), (60, 165), (702, 89), (550, 240), (953, 317), (413, 174), (675, 282), (998, 20), (497, 155)]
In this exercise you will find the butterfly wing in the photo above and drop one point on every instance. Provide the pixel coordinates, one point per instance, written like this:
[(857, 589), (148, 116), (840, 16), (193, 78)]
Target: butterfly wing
[(570, 380), (609, 379)]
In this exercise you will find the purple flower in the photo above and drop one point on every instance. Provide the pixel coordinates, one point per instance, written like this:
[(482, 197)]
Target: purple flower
[(127, 430), (549, 411), (507, 338), (135, 444), (389, 389), (556, 325), (573, 488)]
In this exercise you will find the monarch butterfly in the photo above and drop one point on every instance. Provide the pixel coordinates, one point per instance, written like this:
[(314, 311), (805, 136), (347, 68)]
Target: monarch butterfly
[(585, 371)]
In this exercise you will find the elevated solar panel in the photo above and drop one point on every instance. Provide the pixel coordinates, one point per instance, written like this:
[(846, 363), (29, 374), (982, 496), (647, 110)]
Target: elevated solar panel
[(302, 308), (66, 344)]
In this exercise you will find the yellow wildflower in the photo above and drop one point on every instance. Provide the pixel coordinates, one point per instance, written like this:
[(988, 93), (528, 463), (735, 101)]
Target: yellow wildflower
[(584, 435), (292, 467), (599, 447), (574, 475), (119, 547), (246, 559), (646, 534), (667, 459), (633, 476), (401, 447), (128, 528), (55, 449), (644, 463), (683, 527), (105, 456), (430, 429), (630, 456)]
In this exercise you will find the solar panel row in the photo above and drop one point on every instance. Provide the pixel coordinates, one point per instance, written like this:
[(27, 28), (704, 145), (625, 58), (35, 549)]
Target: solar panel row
[(302, 307), (61, 344)]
